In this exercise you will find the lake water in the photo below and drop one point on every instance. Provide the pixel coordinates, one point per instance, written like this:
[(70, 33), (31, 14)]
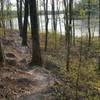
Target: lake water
[(80, 26)]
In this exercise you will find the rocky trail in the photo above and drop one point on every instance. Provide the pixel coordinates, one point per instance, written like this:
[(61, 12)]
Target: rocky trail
[(18, 80)]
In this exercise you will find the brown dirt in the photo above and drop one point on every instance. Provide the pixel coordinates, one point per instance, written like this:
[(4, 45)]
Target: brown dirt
[(19, 80)]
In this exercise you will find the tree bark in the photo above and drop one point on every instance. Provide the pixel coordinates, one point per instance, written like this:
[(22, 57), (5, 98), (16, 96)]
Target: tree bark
[(1, 55), (36, 54), (19, 14), (54, 22), (24, 31), (89, 30), (46, 23), (67, 33)]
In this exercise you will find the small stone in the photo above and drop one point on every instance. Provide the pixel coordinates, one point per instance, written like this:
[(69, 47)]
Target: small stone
[(10, 59), (24, 81)]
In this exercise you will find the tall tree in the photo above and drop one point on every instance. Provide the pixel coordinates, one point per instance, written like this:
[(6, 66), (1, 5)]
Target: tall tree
[(99, 19), (66, 21), (36, 54), (1, 54), (99, 35), (24, 31), (70, 18), (2, 15), (46, 23), (59, 19), (8, 9), (54, 22), (19, 14), (89, 30), (67, 34), (73, 31)]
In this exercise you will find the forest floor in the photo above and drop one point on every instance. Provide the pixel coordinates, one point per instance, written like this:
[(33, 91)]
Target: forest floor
[(19, 81), (17, 78)]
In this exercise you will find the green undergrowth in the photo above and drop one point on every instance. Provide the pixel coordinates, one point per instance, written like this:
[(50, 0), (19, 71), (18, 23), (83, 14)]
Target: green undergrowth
[(65, 86)]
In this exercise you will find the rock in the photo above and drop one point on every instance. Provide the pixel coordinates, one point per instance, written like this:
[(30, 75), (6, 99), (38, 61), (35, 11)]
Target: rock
[(8, 41), (27, 67), (10, 59), (24, 81), (50, 65), (23, 61)]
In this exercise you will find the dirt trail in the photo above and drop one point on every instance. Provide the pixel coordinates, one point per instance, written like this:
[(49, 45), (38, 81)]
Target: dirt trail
[(42, 80), (21, 81)]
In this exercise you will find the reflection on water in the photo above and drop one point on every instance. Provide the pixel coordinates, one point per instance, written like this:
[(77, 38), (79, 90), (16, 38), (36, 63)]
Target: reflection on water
[(80, 26)]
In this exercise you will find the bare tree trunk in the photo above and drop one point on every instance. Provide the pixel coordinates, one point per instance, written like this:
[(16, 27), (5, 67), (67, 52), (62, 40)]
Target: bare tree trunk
[(78, 71), (99, 18), (41, 19), (11, 26), (24, 32), (68, 31), (66, 21), (73, 32), (19, 14), (99, 36), (70, 19), (2, 15), (36, 54), (9, 13), (89, 30), (46, 23), (99, 21), (54, 22), (58, 9), (1, 55)]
